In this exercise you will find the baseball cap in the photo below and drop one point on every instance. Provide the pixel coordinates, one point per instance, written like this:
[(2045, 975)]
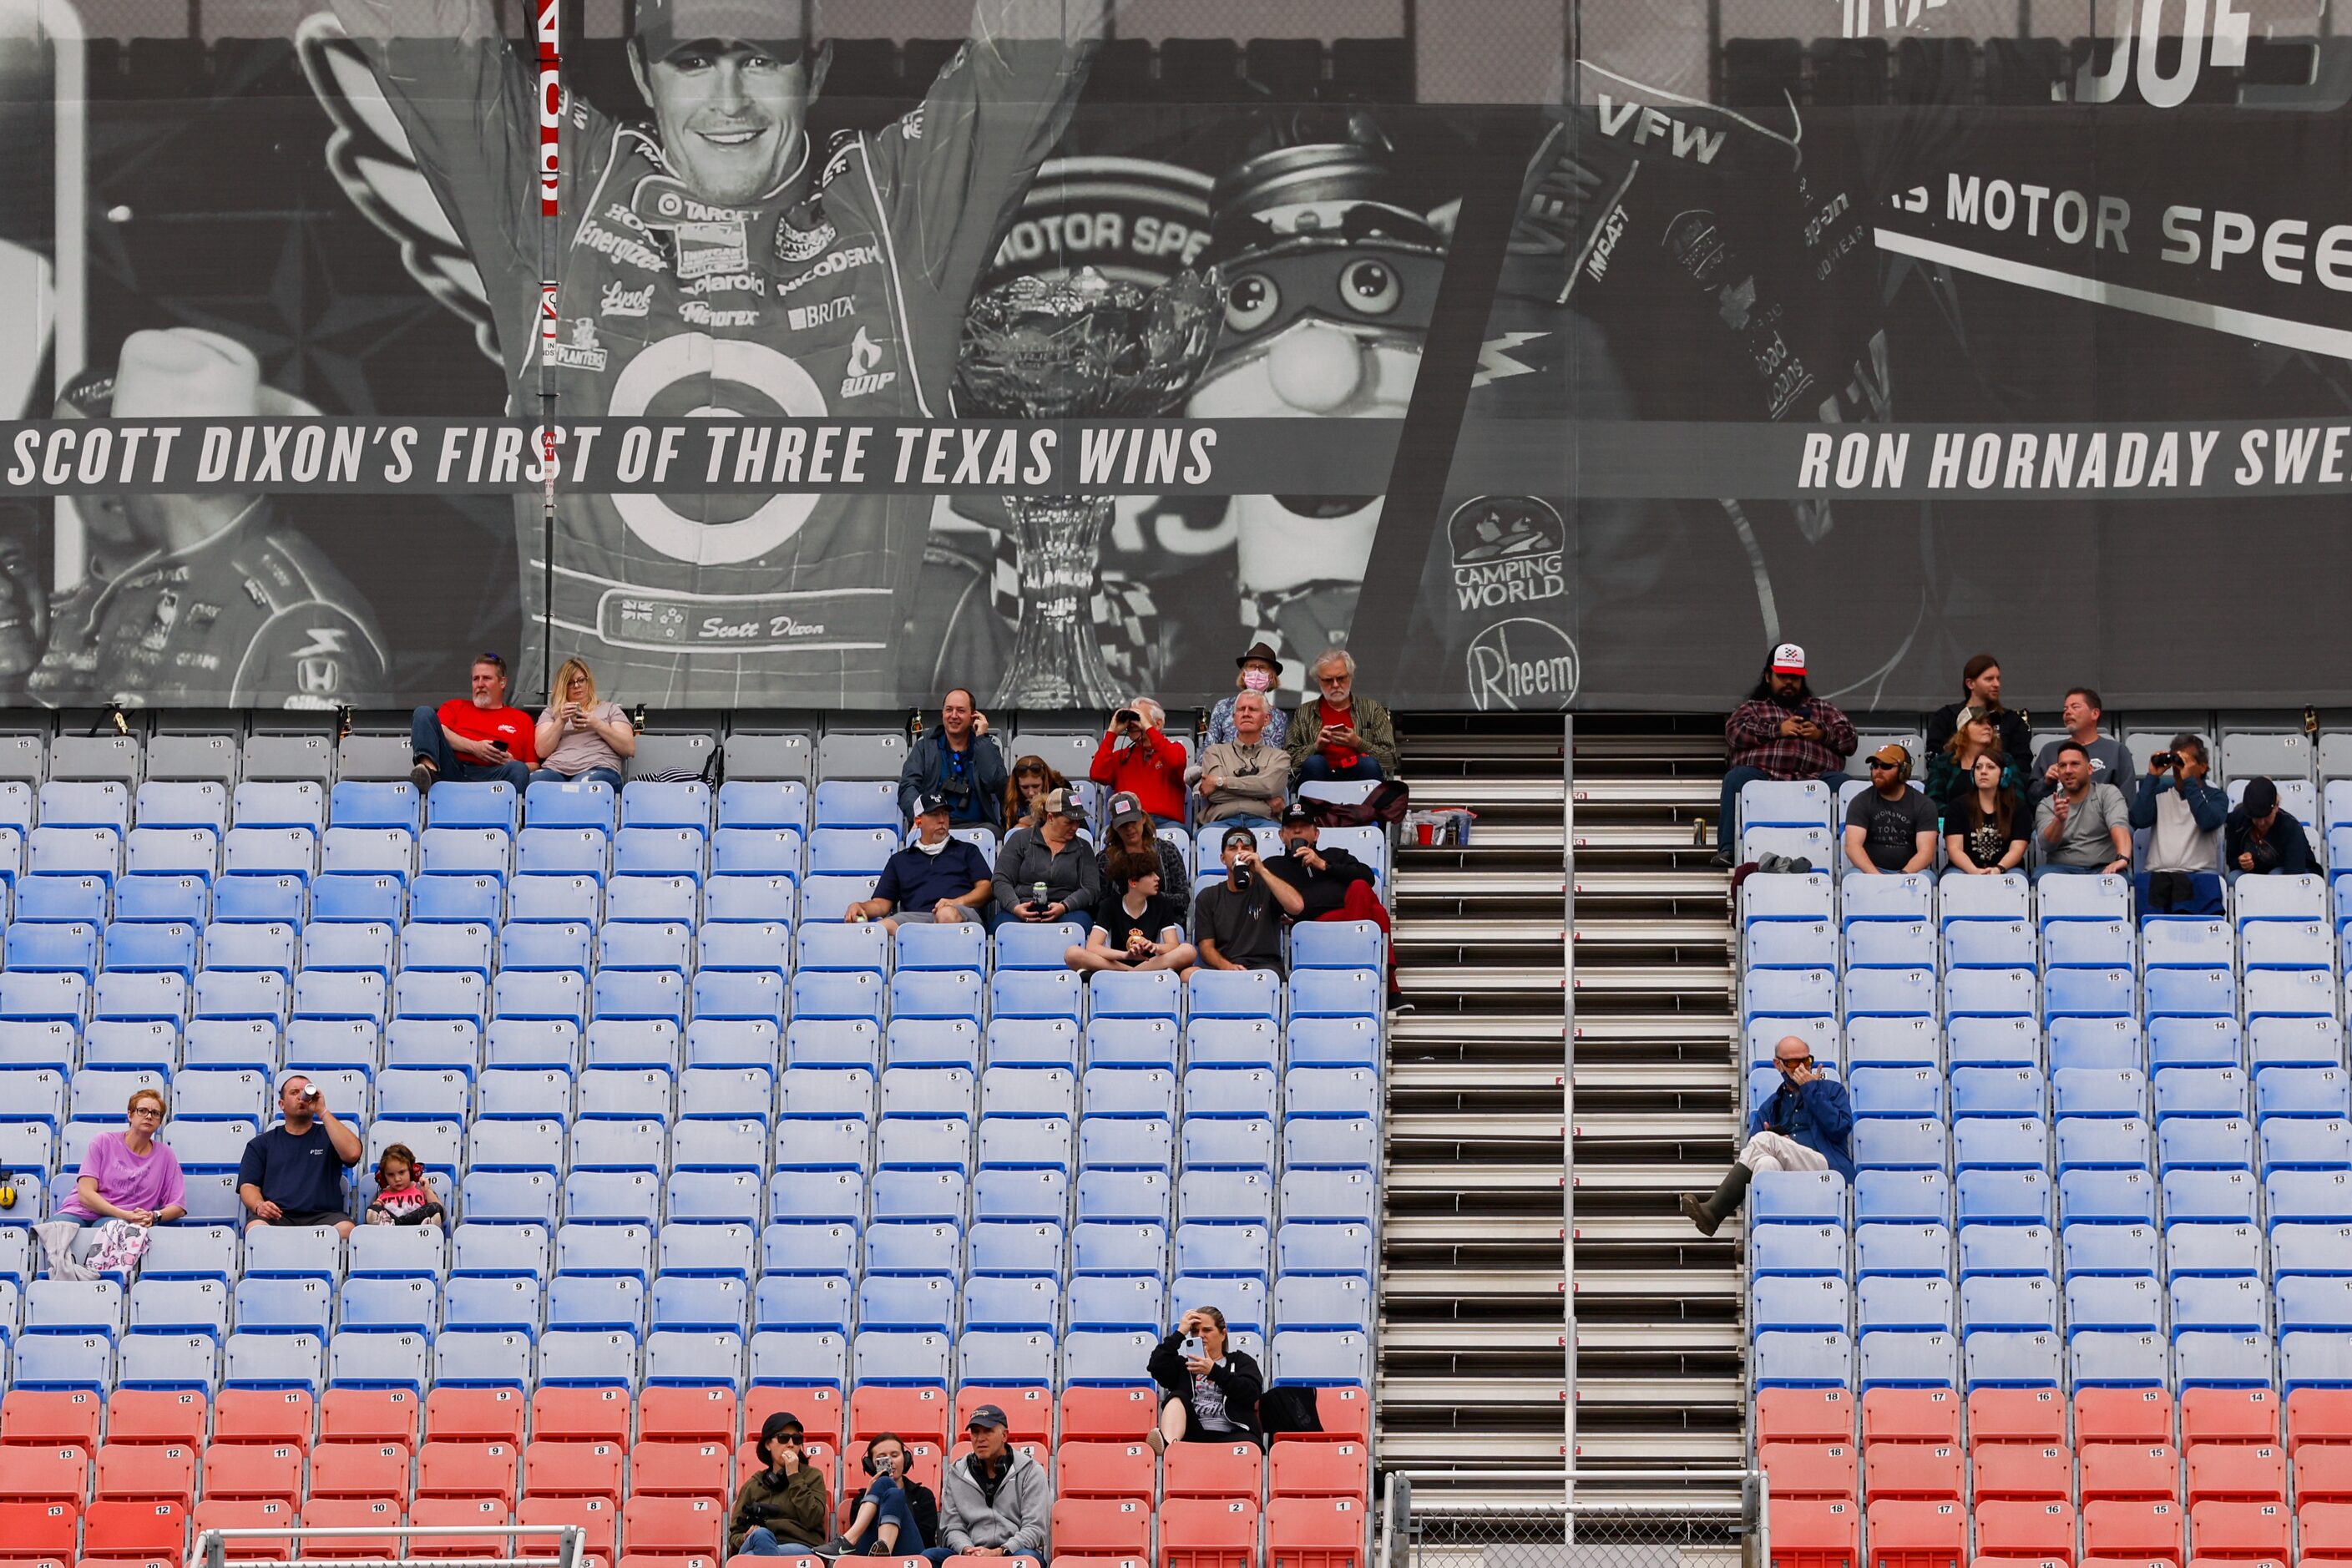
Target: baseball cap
[(1063, 802), (665, 26), (1893, 755), (1296, 812), (928, 804), (987, 1416), (776, 1425), (2261, 796), (1787, 659), (1125, 807)]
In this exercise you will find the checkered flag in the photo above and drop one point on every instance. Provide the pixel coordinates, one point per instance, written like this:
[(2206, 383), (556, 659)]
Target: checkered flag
[(1126, 616)]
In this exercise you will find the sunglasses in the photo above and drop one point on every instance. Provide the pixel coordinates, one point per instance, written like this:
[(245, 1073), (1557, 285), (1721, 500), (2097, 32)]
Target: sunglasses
[(1796, 1061), (1875, 764)]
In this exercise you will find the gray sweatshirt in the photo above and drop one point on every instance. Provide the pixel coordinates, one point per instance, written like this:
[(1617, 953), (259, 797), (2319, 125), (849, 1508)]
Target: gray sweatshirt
[(1018, 1519)]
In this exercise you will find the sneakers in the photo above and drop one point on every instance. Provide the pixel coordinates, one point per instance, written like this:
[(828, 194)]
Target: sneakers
[(836, 1547), (422, 774)]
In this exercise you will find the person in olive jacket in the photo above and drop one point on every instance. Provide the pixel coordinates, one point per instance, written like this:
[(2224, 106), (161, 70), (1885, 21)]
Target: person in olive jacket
[(782, 1510), (1212, 1394)]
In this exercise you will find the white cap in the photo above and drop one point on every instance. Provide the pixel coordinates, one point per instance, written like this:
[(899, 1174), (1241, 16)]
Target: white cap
[(188, 373), (1787, 659)]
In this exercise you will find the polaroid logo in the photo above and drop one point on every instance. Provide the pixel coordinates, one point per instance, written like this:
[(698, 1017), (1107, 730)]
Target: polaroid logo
[(801, 318), (729, 283), (1522, 666), (847, 259)]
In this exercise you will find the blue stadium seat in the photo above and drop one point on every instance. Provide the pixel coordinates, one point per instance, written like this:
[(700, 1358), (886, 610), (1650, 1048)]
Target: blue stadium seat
[(557, 898), (1336, 993), (1803, 1359), (170, 900), (648, 804), (267, 805), (2087, 993), (563, 852), (772, 898), (344, 851), (578, 803), (1153, 994), (746, 803), (1034, 993)]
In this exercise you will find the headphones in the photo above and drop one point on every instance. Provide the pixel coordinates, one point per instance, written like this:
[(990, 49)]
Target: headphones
[(1903, 768), (866, 1458)]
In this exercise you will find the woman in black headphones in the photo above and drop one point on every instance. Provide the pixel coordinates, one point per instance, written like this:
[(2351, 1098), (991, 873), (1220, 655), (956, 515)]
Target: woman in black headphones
[(897, 1517)]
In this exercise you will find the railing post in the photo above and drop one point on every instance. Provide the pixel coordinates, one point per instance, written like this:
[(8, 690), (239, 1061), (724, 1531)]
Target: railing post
[(1568, 1119)]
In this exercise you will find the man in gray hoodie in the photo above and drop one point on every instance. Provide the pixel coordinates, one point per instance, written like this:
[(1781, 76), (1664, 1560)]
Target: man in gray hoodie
[(998, 1502)]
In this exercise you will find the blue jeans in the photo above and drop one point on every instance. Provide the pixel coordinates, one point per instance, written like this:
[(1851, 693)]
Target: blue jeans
[(761, 1542), (1317, 768), (1244, 820), (1727, 821), (586, 775), (889, 1500), (424, 734)]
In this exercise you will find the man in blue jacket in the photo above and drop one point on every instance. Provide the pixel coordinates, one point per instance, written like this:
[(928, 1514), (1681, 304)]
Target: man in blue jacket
[(2182, 813), (1803, 1127), (956, 761)]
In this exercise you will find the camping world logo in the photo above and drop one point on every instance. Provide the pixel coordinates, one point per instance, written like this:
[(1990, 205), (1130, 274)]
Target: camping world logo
[(1507, 550), (1522, 666)]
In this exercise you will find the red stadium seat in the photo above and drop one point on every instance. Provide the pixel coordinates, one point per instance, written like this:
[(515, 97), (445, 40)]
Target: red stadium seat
[(2237, 1531), (2028, 1530), (1804, 1415), (674, 1526), (1812, 1469), (819, 1409), (688, 1415), (157, 1416), (2239, 1472), (1907, 1414), (912, 1411), (250, 1514), (239, 1472), (1346, 1415), (2143, 1531), (693, 1559), (2323, 1473), (995, 1562), (277, 1417), (469, 1470), (1208, 1532), (680, 1469), (1932, 1471), (49, 1418), (2142, 1416), (1315, 1532), (376, 1472), (2023, 1472), (1320, 1470), (2318, 1416), (581, 1416), (1815, 1533), (2325, 1530), (474, 1415), (1917, 1532), (1063, 1560), (44, 1475), (45, 1530), (118, 1529), (368, 1416), (2228, 1416), (447, 1512), (1028, 1412), (147, 1471), (2017, 1415), (1105, 1470), (1107, 1415), (573, 1470), (597, 1517), (2131, 1471), (352, 1513), (1102, 1526), (1214, 1470)]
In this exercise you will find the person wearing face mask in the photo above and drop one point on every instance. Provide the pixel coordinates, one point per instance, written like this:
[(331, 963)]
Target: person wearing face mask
[(936, 879), (1260, 672), (1803, 1125)]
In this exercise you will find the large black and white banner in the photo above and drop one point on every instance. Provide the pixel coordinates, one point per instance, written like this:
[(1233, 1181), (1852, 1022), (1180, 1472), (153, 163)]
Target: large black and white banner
[(769, 365)]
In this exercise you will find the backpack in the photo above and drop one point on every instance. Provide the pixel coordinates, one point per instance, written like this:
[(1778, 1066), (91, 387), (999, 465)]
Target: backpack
[(1387, 803)]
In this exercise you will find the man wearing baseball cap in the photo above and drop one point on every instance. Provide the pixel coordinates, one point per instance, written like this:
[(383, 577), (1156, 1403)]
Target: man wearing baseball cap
[(936, 879), (721, 261), (1783, 731), (999, 1502), (1891, 826)]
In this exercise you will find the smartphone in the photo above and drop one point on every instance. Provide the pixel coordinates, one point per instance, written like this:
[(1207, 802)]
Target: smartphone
[(1193, 1350)]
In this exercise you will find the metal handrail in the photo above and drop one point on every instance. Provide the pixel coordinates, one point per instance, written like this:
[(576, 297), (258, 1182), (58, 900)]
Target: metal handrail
[(1568, 1102), (211, 1545)]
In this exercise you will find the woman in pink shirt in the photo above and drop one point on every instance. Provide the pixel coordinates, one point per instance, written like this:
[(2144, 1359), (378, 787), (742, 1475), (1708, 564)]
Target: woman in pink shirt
[(132, 1174)]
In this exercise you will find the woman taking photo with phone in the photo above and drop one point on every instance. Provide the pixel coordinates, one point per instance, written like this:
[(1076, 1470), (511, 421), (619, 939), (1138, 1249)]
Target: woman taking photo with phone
[(1211, 1390)]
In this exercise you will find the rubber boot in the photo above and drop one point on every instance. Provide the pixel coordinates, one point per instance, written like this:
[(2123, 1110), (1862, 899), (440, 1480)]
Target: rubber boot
[(1709, 1213)]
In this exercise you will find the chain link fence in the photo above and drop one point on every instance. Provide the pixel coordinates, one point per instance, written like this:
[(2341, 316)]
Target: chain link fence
[(1710, 1527)]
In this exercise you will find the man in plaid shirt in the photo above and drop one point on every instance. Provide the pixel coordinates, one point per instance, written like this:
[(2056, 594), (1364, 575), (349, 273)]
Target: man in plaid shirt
[(1782, 731)]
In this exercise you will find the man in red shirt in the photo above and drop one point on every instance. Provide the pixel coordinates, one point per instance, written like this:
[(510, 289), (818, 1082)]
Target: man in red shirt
[(468, 740), (1136, 755)]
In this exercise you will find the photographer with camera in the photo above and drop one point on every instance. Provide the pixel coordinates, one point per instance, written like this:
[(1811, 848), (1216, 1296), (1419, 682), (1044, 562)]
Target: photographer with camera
[(1235, 920), (1047, 873), (293, 1173), (2180, 874), (1209, 1391), (1803, 1125), (1143, 928), (956, 760), (1136, 757), (781, 1510), (474, 738), (2262, 838)]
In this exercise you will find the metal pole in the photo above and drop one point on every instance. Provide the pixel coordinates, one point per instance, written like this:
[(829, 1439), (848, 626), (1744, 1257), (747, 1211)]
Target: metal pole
[(1567, 1106)]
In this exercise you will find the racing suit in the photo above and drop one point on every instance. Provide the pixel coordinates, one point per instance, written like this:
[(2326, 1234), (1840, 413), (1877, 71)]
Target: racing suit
[(841, 296)]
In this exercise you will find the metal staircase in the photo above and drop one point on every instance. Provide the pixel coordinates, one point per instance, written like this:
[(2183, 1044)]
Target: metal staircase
[(1476, 1375)]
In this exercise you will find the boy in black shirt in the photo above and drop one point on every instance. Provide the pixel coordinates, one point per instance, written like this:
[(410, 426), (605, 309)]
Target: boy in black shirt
[(1144, 928)]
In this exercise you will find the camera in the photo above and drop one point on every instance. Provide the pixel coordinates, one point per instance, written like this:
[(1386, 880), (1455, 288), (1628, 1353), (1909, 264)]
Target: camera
[(2167, 759)]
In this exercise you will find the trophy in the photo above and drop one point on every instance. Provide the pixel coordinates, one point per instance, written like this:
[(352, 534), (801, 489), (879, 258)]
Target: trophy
[(1078, 347)]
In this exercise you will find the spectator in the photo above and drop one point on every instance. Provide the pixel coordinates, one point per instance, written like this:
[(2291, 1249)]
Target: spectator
[(1132, 827), (782, 1510), (1236, 921), (293, 1173), (579, 737), (2184, 814), (1985, 835), (1782, 731), (1143, 928), (404, 1195), (956, 760), (2082, 826), (1312, 884), (1260, 671), (468, 740), (897, 1517), (1031, 778), (1951, 773), (939, 879), (1341, 734), (2111, 760), (1242, 779), (1803, 1126), (1211, 1390), (1980, 694), (1047, 873), (999, 1502), (1890, 826), (131, 1175), (1137, 758), (2262, 838)]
